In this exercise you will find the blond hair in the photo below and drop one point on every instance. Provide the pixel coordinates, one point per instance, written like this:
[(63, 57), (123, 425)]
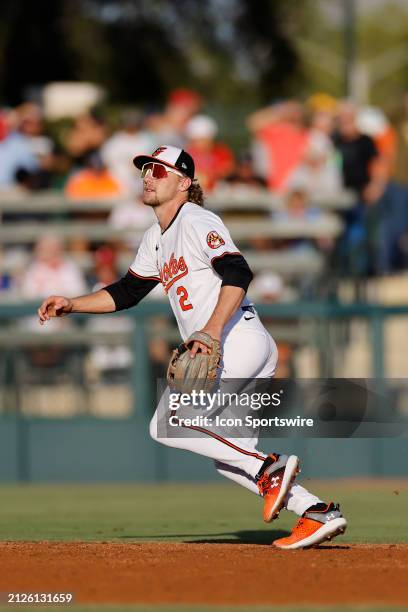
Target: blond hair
[(195, 193)]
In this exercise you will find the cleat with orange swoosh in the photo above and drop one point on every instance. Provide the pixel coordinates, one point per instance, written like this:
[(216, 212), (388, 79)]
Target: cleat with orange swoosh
[(320, 523), (274, 481)]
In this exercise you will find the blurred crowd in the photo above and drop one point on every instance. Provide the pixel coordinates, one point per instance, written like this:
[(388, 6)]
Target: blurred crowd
[(300, 155), (318, 146), (304, 154)]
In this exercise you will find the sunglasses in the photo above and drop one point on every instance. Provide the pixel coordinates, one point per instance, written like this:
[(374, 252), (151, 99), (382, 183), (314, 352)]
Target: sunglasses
[(158, 171)]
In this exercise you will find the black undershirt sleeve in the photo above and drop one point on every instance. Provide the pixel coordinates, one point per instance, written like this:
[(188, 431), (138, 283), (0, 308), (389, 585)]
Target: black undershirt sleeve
[(234, 271), (130, 289)]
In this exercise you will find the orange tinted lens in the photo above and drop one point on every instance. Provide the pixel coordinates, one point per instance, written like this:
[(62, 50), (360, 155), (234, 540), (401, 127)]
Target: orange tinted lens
[(158, 171)]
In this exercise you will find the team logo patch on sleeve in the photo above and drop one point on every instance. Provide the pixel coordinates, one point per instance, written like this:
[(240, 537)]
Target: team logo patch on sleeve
[(214, 240)]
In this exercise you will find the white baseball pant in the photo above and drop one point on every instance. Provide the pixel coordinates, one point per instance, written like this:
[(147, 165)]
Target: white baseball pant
[(248, 353)]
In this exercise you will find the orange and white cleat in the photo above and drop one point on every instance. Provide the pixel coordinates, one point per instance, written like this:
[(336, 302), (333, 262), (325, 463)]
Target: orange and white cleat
[(320, 523), (274, 480)]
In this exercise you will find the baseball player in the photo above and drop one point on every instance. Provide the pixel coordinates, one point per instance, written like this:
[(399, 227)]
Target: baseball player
[(190, 251)]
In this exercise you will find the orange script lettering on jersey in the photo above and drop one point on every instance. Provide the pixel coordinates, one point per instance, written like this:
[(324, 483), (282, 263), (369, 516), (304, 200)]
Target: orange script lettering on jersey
[(172, 271)]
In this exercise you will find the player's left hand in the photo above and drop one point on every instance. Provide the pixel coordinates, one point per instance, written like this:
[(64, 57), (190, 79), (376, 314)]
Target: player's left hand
[(214, 333), (185, 374)]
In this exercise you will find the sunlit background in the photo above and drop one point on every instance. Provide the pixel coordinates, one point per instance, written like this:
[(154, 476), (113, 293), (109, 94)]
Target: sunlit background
[(296, 114)]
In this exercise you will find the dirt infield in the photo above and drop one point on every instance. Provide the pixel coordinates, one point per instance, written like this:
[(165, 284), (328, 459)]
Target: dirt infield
[(207, 573)]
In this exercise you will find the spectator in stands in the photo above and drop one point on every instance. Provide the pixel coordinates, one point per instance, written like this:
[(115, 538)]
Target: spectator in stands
[(32, 126), (93, 182), (213, 160), (111, 360), (243, 173), (105, 267), (51, 271), (267, 286), (390, 244), (280, 132), (318, 174), (299, 213), (128, 215), (297, 208), (358, 154), (17, 156), (86, 136), (119, 150), (108, 360)]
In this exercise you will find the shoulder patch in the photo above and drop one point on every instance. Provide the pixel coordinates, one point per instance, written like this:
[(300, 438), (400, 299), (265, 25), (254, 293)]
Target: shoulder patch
[(214, 240)]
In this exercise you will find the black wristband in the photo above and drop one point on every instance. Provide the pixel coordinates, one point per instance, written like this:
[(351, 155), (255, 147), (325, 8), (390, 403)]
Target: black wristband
[(130, 289)]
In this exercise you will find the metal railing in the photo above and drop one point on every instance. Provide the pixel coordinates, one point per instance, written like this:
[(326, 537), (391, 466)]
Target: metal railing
[(223, 199), (59, 210), (288, 263), (322, 314), (327, 225)]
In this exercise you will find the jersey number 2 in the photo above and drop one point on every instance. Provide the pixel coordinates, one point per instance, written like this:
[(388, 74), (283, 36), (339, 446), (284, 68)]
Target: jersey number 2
[(183, 293)]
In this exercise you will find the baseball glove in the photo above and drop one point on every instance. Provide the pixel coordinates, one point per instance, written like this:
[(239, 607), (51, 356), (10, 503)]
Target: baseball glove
[(185, 374)]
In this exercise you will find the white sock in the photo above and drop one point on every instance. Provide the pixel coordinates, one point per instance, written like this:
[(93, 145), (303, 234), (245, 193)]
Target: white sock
[(299, 499)]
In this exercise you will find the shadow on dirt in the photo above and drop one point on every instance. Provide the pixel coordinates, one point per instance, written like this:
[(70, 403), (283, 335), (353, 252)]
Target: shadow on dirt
[(234, 537)]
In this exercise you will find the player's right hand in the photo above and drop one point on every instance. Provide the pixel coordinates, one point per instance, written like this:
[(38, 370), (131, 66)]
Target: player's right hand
[(54, 306)]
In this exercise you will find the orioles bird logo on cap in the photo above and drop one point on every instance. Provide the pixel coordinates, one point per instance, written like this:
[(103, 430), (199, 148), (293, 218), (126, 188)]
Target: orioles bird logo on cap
[(158, 151)]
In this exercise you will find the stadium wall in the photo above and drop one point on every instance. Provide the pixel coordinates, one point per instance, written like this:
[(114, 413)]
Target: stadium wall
[(107, 450)]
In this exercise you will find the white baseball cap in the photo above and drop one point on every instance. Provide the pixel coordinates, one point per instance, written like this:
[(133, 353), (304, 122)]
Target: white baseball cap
[(169, 156)]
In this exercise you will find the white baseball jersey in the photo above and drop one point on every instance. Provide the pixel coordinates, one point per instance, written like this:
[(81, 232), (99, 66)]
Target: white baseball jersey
[(181, 258)]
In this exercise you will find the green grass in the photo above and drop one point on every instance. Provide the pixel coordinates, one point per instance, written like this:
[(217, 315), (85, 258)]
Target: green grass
[(178, 513)]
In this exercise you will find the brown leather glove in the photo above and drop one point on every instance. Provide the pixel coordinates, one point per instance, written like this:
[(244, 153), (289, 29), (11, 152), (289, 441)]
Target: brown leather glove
[(186, 374)]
